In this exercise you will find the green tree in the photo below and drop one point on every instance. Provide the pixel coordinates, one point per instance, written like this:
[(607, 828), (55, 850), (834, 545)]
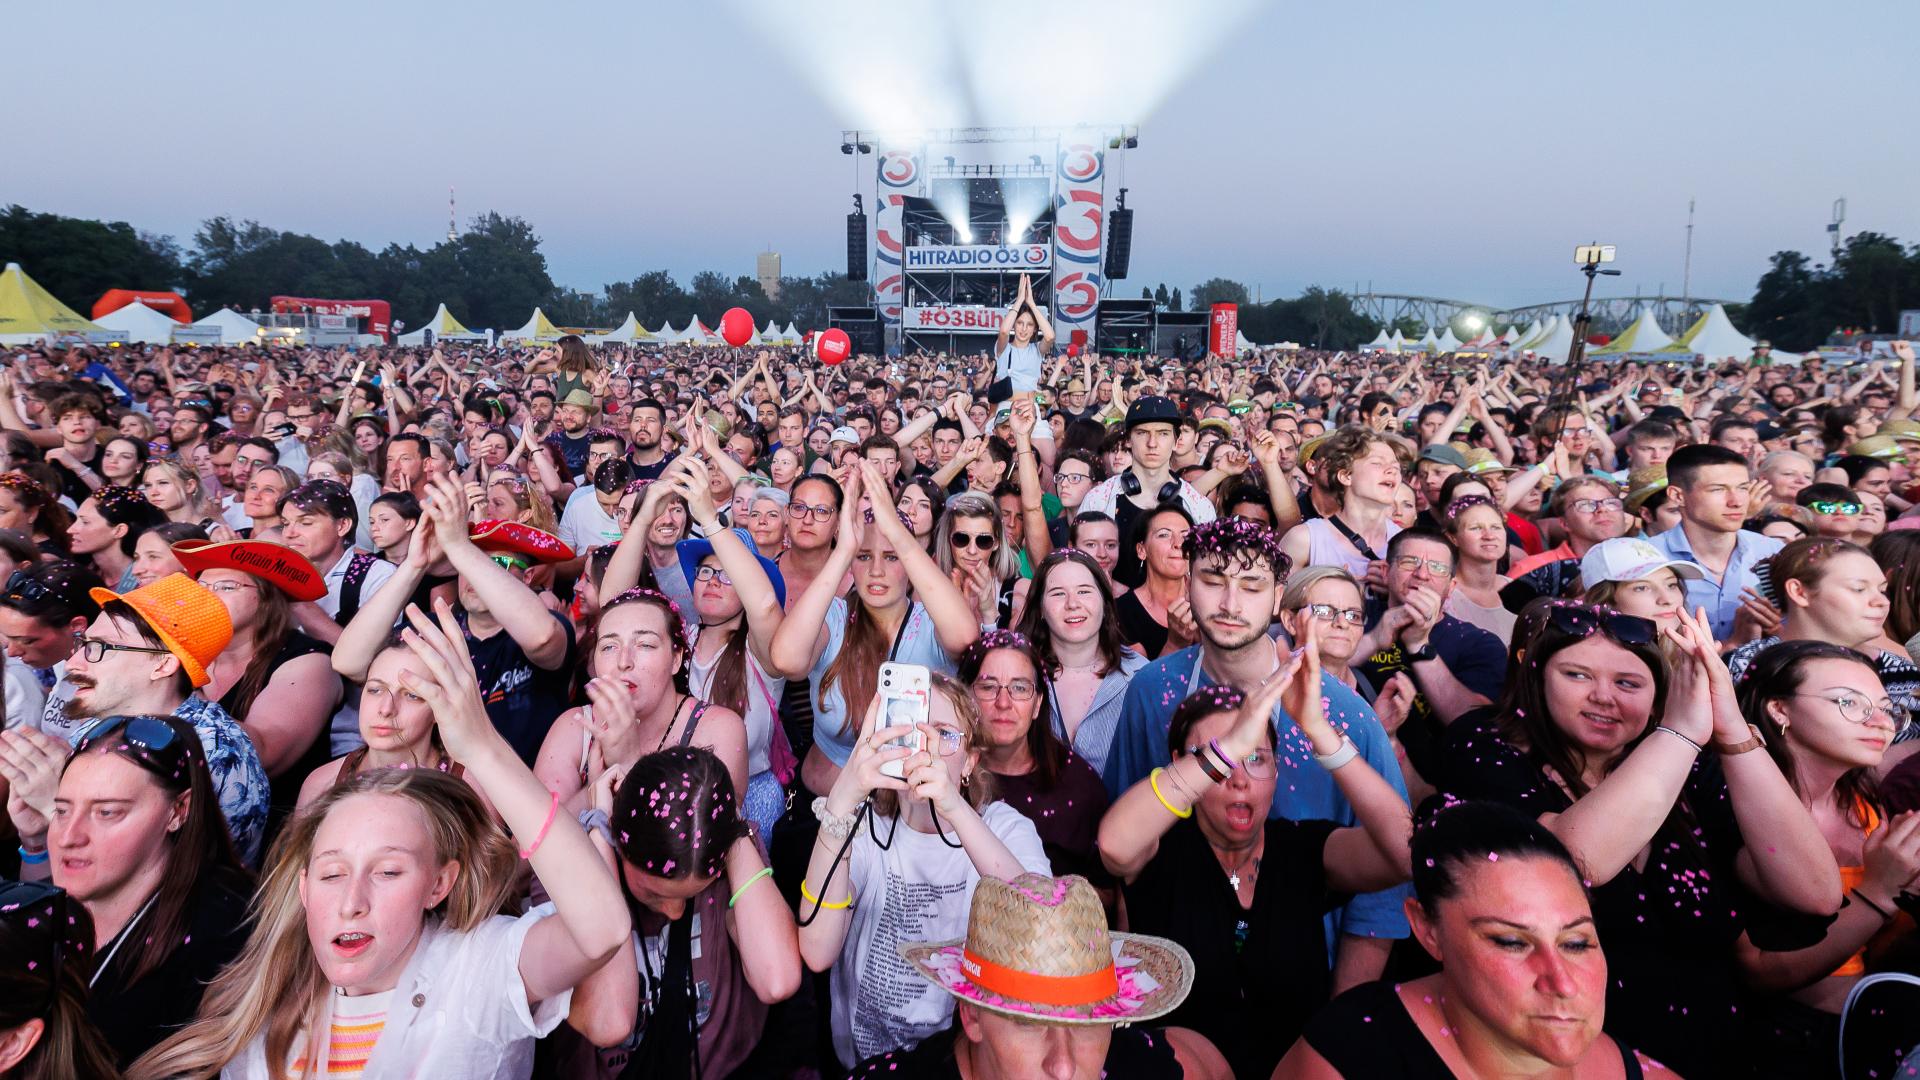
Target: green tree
[(1788, 306), (1162, 297), (1174, 303), (1220, 291), (76, 259)]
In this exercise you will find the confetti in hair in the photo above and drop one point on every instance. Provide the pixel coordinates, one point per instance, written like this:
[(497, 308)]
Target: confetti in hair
[(1238, 539)]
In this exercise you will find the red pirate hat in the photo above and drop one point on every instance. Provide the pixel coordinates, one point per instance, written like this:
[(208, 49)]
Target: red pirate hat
[(521, 544), (288, 570)]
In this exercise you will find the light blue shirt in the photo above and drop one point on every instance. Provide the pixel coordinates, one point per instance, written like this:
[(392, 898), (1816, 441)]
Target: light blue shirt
[(919, 644), (1305, 791), (1721, 598)]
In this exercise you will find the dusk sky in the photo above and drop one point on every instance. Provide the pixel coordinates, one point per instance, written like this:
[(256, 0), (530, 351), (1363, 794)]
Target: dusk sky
[(1456, 150)]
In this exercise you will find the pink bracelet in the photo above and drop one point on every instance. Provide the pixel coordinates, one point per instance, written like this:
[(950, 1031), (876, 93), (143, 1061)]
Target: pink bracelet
[(552, 808)]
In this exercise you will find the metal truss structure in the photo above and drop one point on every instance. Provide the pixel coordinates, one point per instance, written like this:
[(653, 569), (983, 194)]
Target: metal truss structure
[(1610, 314)]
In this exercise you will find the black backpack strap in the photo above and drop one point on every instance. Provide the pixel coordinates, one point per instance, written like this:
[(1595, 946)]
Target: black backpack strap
[(357, 569)]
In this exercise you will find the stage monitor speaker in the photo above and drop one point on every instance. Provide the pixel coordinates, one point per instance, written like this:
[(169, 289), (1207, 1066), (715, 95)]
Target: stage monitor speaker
[(857, 246), (1119, 242), (863, 327)]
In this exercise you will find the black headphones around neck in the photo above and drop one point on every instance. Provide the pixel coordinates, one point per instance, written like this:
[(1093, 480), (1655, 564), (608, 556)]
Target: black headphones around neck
[(1130, 483)]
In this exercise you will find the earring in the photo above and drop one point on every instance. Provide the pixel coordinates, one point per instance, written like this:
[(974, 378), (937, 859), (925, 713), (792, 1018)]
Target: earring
[(965, 779)]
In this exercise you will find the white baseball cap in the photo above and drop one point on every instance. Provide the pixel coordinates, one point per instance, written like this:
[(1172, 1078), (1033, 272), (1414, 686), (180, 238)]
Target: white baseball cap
[(1629, 558)]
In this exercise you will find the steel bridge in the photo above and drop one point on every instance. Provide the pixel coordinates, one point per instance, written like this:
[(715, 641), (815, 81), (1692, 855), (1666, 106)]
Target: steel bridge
[(1610, 314)]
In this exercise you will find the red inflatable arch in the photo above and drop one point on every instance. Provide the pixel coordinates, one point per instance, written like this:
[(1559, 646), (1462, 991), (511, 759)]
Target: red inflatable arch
[(170, 304)]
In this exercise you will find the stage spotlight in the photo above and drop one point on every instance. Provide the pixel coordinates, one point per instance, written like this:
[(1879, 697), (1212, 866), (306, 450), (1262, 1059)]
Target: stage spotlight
[(949, 161), (867, 148), (1035, 158), (846, 148), (1133, 142)]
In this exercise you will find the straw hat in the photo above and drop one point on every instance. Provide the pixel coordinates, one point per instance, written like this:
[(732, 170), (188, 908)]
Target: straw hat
[(190, 621), (1481, 461), (1876, 446), (1643, 484), (1037, 948)]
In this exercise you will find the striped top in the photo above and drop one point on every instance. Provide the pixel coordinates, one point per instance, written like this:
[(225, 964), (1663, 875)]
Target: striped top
[(355, 1028)]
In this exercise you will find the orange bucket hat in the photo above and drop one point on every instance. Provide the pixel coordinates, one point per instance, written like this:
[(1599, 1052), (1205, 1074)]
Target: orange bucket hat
[(191, 622)]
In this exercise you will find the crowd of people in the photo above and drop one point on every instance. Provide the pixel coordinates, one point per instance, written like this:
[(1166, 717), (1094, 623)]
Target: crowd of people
[(519, 712)]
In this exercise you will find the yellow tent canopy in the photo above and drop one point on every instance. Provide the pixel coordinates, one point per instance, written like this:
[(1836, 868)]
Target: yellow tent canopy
[(538, 328), (29, 313)]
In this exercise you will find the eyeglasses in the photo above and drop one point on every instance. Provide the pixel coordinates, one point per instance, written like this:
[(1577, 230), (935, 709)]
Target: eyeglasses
[(712, 573), (96, 650), (1072, 477), (1017, 689), (227, 587), (1327, 613), (1581, 619), (1436, 567), (985, 542), (1594, 506), (1844, 509), (1260, 765), (952, 740), (1858, 709), (800, 511)]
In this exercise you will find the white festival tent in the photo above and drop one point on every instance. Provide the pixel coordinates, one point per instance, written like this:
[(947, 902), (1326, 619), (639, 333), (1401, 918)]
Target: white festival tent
[(1380, 342), (1643, 335), (1242, 345), (1399, 341), (1558, 344), (1428, 343), (790, 336), (1714, 338), (140, 323), (1537, 333), (1533, 332), (445, 328), (627, 332), (1447, 343), (234, 328), (538, 328)]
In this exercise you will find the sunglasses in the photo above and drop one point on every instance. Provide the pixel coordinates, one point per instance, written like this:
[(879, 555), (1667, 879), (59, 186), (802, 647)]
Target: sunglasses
[(983, 541), (1844, 509), (42, 903), (152, 742), (24, 586), (1582, 620)]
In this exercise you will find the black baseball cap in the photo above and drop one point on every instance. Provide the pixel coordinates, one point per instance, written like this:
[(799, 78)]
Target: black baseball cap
[(1152, 409)]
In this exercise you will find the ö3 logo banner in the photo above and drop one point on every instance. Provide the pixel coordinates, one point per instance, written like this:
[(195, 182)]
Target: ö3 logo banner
[(978, 257)]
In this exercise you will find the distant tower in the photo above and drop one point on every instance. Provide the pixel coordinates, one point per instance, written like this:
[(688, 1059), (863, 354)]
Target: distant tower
[(453, 231), (766, 270)]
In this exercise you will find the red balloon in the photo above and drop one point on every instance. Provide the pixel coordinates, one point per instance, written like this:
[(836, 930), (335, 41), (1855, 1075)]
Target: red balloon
[(833, 346), (736, 326), (1073, 350)]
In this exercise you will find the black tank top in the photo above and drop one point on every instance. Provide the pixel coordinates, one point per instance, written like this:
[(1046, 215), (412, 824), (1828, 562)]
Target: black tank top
[(1367, 1034)]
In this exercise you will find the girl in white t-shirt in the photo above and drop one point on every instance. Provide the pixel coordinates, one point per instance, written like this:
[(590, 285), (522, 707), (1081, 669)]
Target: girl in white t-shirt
[(377, 945), (908, 873)]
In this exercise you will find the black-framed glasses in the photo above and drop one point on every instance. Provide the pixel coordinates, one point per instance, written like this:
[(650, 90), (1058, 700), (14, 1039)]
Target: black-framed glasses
[(96, 650), (982, 541), (1072, 478), (1856, 708), (42, 905), (712, 573), (798, 511), (1326, 613), (1260, 765), (1582, 620)]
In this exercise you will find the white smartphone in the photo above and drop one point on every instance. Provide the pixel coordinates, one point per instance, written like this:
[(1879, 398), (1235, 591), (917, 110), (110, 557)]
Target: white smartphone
[(903, 701)]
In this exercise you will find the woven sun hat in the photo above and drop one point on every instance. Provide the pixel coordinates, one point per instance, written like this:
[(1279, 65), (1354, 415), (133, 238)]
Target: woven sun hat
[(1644, 484), (1481, 461), (1881, 446), (1038, 949), (190, 621), (579, 399), (1901, 430), (288, 570)]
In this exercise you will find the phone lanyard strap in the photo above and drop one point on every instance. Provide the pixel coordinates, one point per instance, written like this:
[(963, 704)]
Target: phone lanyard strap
[(893, 651)]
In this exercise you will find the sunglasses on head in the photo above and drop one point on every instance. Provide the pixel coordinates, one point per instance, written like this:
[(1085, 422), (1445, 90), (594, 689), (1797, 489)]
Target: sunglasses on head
[(24, 586), (150, 740), (1582, 620), (983, 541)]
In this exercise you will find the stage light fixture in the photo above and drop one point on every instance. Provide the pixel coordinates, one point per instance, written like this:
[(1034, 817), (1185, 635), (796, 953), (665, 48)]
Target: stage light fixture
[(846, 148), (950, 163), (867, 148)]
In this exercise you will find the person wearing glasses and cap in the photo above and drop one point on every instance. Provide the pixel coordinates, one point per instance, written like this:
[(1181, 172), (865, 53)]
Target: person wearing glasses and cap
[(1152, 426), (128, 825), (522, 651), (148, 652)]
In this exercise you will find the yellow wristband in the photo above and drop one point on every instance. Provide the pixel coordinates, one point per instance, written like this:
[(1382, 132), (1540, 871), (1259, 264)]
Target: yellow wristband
[(1153, 781), (841, 906)]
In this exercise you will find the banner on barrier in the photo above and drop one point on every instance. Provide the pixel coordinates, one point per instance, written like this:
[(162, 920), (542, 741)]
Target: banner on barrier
[(978, 257)]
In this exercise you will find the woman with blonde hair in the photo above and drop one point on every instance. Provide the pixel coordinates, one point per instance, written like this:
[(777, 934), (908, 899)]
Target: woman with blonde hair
[(386, 887), (511, 497), (971, 549), (904, 884), (176, 490)]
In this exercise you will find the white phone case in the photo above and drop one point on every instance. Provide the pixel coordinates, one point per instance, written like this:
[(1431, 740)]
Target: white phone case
[(903, 700)]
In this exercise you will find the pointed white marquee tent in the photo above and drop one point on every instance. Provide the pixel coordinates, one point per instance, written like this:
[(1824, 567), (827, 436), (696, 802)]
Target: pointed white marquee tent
[(538, 328), (626, 333), (1713, 337), (1557, 344), (1380, 343), (1447, 343), (1643, 335), (140, 324), (445, 328), (234, 328)]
